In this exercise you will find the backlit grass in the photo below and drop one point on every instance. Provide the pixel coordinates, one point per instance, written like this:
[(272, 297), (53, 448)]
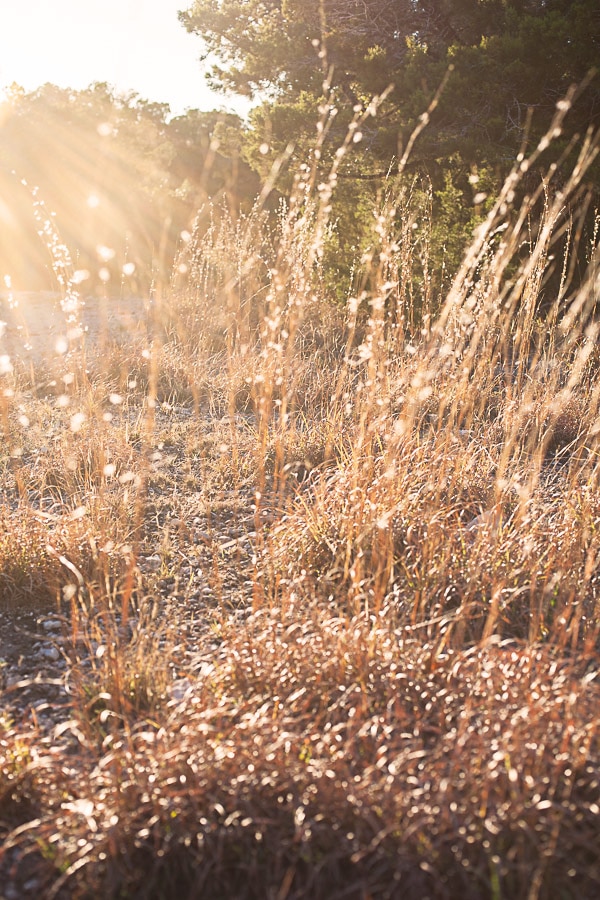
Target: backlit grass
[(329, 578)]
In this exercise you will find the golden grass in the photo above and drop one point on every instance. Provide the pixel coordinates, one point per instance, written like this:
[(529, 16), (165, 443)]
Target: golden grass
[(384, 681)]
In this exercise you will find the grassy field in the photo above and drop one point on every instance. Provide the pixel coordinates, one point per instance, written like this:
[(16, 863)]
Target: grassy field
[(327, 578)]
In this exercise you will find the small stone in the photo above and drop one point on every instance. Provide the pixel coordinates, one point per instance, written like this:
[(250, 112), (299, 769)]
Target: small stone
[(180, 688), (152, 563), (243, 613), (50, 653)]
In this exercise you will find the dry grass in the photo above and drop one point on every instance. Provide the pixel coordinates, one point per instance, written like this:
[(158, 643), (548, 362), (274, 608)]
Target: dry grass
[(386, 683)]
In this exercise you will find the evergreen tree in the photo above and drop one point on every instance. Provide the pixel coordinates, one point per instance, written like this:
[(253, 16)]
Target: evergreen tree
[(507, 56)]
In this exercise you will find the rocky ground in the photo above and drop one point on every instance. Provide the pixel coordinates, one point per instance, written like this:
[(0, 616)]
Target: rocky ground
[(193, 564), (195, 547)]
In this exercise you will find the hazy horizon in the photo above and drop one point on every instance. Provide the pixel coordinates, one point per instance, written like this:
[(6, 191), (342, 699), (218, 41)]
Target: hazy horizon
[(133, 45)]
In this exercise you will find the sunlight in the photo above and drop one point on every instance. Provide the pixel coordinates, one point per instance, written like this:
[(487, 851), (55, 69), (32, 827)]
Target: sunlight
[(300, 452), (74, 44), (82, 170), (5, 103)]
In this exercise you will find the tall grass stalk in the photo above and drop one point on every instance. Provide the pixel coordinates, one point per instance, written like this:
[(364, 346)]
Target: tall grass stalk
[(329, 577)]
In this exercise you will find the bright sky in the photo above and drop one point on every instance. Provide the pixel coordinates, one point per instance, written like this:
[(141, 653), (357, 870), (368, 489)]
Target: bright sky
[(134, 45)]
